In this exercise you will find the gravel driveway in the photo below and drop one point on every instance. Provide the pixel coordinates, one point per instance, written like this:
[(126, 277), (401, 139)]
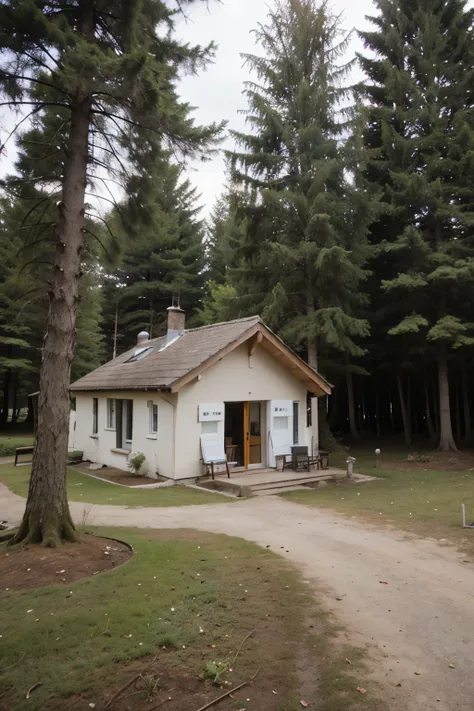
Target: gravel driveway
[(422, 620)]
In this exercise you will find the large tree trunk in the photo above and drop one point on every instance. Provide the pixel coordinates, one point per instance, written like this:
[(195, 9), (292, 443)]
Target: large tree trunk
[(47, 518), (312, 353), (15, 399), (350, 403), (466, 404), (377, 413), (429, 421), (403, 407), (446, 439), (6, 398)]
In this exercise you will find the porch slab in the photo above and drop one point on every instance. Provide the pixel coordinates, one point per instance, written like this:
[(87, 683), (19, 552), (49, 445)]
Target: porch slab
[(270, 481)]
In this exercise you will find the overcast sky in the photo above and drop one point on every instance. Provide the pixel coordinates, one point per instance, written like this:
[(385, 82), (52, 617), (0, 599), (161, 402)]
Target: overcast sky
[(217, 93)]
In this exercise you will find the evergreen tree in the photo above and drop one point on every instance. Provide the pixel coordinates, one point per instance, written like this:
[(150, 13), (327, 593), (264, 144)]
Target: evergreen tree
[(112, 68), (304, 221), (217, 241), (26, 247), (420, 134), (163, 250)]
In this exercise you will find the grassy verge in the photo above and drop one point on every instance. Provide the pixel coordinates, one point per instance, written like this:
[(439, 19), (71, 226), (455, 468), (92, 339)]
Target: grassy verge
[(426, 502), (189, 599), (84, 488), (9, 443)]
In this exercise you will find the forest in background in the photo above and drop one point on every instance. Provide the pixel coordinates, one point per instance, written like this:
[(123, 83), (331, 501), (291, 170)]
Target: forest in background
[(347, 223)]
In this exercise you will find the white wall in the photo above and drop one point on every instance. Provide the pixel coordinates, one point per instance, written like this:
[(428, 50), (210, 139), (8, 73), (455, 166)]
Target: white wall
[(234, 378), (158, 449), (72, 431)]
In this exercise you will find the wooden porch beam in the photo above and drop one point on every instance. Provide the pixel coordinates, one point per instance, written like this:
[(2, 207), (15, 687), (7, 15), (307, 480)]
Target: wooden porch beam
[(254, 341)]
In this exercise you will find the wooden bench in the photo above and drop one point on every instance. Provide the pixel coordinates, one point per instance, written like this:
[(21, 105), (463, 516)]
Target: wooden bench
[(20, 451)]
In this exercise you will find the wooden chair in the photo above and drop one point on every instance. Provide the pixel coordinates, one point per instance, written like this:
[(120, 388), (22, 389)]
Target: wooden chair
[(301, 460), (213, 454), (21, 451)]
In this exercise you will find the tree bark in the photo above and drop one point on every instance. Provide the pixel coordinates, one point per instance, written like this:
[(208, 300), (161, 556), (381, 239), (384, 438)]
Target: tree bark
[(350, 403), (377, 413), (312, 353), (6, 398), (403, 407), (466, 405), (47, 518), (458, 409), (446, 439), (429, 421), (15, 399)]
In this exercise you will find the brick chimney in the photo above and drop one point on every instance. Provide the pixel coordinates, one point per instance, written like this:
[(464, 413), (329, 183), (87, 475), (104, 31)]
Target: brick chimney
[(176, 317)]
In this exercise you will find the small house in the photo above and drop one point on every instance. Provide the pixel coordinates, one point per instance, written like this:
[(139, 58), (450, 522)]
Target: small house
[(235, 382)]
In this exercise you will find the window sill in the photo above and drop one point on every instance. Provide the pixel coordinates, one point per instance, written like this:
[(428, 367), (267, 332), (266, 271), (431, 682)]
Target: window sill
[(115, 450), (94, 436), (152, 436), (110, 429)]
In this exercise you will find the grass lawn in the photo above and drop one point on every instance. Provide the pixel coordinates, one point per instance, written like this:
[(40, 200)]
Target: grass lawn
[(92, 491), (433, 497), (184, 602), (8, 443)]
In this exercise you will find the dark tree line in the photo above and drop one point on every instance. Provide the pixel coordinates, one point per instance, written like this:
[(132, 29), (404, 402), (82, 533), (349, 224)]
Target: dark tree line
[(348, 221)]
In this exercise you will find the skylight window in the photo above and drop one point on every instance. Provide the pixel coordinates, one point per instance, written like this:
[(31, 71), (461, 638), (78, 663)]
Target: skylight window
[(140, 353)]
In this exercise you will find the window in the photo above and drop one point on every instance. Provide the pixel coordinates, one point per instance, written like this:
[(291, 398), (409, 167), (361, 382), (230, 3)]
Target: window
[(128, 421), (309, 413), (153, 418), (296, 422), (95, 415), (139, 354), (124, 423), (209, 427), (110, 414)]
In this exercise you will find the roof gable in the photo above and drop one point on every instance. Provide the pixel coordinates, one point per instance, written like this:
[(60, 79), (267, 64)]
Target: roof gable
[(173, 367)]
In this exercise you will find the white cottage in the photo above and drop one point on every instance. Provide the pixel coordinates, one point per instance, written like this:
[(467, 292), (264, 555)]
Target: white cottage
[(236, 382)]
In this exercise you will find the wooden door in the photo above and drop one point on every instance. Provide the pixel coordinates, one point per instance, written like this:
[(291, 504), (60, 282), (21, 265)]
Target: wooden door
[(253, 455)]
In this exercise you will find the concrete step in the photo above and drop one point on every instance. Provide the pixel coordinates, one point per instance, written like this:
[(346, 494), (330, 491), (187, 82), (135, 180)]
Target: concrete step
[(279, 490), (285, 483)]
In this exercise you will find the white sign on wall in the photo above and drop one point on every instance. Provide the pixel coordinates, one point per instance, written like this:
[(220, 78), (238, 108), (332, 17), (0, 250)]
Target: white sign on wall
[(282, 408), (211, 412)]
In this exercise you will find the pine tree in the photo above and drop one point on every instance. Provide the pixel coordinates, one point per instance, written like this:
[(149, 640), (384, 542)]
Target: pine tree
[(163, 250), (300, 261), (420, 133), (112, 69)]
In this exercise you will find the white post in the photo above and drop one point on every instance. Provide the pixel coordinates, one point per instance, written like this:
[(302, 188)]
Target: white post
[(315, 424)]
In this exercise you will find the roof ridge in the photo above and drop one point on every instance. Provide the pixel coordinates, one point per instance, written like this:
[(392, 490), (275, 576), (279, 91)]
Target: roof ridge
[(223, 323)]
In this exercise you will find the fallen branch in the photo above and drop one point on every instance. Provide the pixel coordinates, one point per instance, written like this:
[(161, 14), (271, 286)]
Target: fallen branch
[(12, 665), (231, 691), (120, 691), (242, 644), (128, 685), (32, 688)]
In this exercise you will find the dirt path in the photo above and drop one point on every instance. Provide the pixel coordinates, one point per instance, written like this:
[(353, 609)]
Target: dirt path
[(422, 620)]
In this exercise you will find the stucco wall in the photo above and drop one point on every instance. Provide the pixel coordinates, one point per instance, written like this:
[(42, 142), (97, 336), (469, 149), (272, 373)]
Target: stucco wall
[(234, 378), (158, 449)]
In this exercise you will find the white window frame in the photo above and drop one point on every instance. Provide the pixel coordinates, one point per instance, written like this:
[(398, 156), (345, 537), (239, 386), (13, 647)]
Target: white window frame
[(95, 416), (111, 414), (152, 408)]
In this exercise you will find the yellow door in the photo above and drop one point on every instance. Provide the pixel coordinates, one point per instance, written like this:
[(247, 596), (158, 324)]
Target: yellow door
[(252, 434)]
